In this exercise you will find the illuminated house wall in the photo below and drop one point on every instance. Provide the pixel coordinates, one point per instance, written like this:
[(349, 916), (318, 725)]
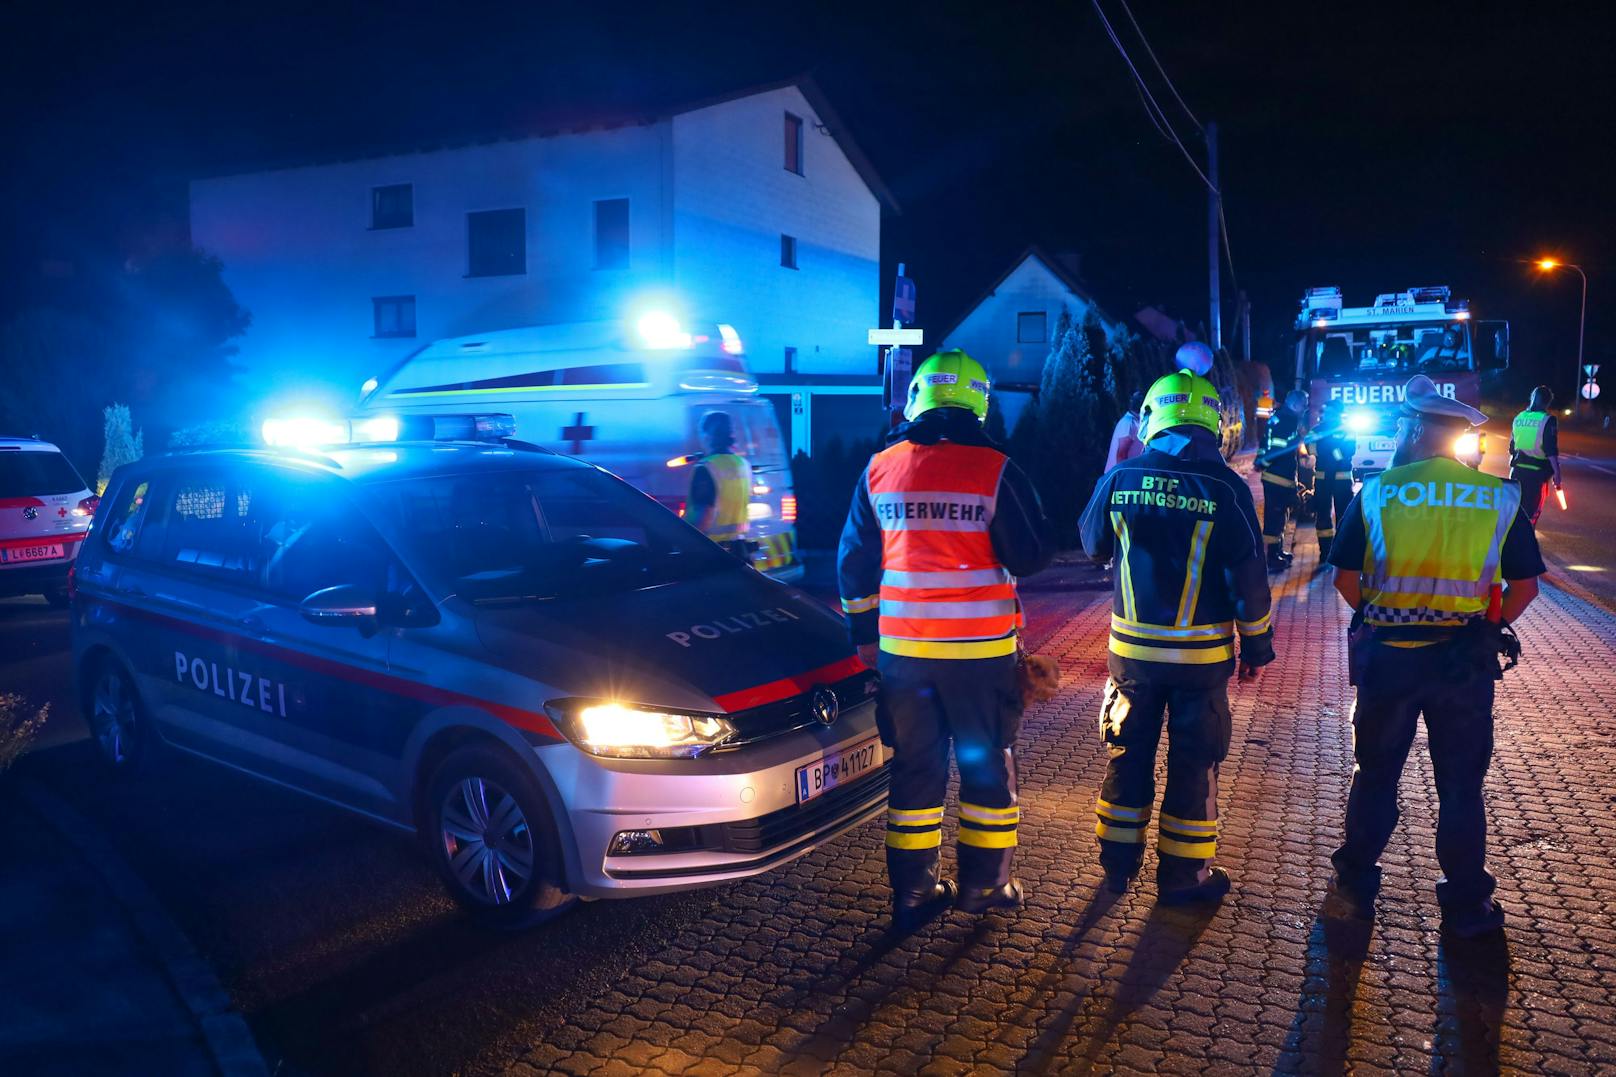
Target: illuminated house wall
[(709, 199), (1010, 329)]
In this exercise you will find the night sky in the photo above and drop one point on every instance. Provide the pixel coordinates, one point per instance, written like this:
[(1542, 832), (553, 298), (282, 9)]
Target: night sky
[(1373, 146)]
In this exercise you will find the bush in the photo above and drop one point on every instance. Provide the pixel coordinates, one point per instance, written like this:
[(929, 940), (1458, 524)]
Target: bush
[(824, 486), (122, 443), (18, 728)]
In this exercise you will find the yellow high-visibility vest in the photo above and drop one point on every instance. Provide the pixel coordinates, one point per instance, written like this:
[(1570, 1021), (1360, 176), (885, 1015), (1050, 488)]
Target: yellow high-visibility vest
[(1435, 534), (1527, 433), (732, 478)]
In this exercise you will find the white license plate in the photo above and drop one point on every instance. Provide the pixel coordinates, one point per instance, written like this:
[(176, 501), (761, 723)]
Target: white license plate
[(838, 768), (43, 552), (1382, 444)]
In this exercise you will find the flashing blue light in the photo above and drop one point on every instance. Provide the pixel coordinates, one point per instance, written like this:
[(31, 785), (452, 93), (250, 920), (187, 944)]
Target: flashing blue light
[(1361, 421)]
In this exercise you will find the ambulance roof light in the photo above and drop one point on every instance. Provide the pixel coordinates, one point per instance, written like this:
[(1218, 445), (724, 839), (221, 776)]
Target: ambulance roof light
[(661, 330), (731, 339)]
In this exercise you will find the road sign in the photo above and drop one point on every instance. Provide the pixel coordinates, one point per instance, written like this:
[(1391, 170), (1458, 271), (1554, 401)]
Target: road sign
[(903, 300), (1590, 391), (1590, 369), (897, 336), (895, 378)]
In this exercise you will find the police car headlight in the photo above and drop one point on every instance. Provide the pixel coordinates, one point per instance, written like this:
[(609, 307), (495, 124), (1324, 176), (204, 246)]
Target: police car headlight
[(617, 729), (1467, 445)]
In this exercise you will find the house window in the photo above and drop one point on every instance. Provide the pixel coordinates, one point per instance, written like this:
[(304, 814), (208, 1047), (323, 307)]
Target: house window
[(611, 233), (1032, 327), (793, 143), (791, 361), (392, 207), (394, 315), (496, 243), (788, 251)]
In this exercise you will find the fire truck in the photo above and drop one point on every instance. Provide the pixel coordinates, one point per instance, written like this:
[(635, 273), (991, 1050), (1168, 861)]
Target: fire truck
[(1364, 356)]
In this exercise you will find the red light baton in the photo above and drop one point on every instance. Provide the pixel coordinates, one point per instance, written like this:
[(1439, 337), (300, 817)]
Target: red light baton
[(1560, 493)]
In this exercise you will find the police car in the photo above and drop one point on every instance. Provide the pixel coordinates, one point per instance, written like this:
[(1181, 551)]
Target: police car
[(566, 689), (45, 511)]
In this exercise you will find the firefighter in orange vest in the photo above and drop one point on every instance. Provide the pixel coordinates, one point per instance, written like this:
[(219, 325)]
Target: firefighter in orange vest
[(941, 524), (721, 486)]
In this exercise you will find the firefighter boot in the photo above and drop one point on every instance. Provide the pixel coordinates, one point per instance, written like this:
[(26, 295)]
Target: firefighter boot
[(1212, 888), (1278, 560), (918, 893), (986, 899)]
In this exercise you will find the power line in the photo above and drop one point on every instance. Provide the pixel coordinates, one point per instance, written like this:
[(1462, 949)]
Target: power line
[(1160, 70)]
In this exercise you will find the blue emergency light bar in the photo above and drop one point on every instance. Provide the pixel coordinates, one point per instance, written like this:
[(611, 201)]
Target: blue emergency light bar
[(313, 432)]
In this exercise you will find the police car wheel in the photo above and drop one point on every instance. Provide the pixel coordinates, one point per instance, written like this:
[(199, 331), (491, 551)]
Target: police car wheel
[(117, 720), (491, 837)]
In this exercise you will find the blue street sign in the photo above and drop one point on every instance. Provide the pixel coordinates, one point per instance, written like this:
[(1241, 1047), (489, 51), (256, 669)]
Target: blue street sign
[(903, 300)]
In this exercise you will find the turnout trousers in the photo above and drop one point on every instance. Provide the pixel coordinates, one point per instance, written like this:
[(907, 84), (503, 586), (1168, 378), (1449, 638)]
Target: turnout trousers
[(1398, 685), (1198, 731), (1331, 496), (973, 705), (1278, 498)]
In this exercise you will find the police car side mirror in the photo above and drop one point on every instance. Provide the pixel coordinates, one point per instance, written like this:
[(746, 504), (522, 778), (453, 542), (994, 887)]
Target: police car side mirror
[(341, 605)]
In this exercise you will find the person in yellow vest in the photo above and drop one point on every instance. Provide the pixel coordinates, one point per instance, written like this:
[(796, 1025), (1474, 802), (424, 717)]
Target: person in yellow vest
[(942, 522), (1279, 461), (1435, 559), (721, 486), (1534, 450)]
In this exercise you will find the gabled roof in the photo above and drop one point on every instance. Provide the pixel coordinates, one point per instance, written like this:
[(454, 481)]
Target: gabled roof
[(1068, 281), (573, 120)]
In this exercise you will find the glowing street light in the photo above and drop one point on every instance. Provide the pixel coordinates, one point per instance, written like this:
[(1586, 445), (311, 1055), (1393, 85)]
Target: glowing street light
[(1548, 265)]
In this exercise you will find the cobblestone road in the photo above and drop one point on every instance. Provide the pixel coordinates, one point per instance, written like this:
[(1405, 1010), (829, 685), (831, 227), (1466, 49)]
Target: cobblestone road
[(792, 973)]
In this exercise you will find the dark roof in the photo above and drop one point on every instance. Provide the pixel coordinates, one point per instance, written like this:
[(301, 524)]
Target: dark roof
[(1054, 265), (579, 119), (377, 463)]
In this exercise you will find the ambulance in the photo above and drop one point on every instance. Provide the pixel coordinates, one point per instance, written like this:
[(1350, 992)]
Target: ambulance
[(1364, 357), (625, 395)]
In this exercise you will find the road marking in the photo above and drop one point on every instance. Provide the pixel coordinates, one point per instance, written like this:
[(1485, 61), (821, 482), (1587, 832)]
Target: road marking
[(1585, 462)]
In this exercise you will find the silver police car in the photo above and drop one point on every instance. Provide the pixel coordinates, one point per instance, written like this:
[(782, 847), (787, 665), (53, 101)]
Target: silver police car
[(563, 687)]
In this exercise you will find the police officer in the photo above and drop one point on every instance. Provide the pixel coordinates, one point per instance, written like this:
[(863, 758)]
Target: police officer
[(1433, 557), (1183, 530), (1332, 489), (1278, 459), (1534, 451), (941, 523), (721, 486)]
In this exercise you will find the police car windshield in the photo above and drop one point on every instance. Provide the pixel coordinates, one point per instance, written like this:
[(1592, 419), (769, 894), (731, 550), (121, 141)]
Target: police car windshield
[(514, 536)]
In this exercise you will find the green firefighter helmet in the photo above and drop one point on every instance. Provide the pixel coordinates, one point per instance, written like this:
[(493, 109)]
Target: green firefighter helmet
[(949, 379), (1182, 398)]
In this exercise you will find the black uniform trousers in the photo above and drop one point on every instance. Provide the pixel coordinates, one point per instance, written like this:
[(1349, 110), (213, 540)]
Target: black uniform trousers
[(973, 705), (1331, 496), (1278, 498), (1534, 484), (1198, 730), (1395, 687)]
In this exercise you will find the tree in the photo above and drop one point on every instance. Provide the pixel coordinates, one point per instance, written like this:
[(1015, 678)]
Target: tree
[(154, 335), (1070, 450), (122, 443)]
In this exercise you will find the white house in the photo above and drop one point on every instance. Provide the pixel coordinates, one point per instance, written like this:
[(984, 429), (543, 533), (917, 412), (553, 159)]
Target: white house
[(755, 209), (1009, 329)]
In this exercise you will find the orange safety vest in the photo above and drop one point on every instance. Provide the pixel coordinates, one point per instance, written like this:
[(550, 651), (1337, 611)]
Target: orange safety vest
[(944, 593)]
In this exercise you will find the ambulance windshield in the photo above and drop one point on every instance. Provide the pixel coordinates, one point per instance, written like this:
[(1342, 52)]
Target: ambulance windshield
[(757, 435), (518, 536)]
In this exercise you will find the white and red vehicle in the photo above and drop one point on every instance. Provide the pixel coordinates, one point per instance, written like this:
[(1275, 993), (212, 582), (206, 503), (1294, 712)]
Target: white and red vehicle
[(45, 512), (1364, 357)]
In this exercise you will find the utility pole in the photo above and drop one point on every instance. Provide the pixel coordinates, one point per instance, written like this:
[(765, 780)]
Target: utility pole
[(1214, 232)]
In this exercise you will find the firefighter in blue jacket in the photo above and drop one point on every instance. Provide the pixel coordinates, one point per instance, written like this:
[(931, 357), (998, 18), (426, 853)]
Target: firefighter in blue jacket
[(1334, 448), (1183, 531), (1280, 465)]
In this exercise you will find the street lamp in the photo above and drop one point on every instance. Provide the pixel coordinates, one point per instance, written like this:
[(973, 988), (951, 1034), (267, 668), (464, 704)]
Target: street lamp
[(1549, 265)]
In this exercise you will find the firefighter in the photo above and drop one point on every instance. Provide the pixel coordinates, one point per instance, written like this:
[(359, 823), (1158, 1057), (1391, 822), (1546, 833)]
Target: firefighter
[(721, 486), (1435, 560), (941, 524), (1183, 530), (1278, 460), (1534, 451), (1332, 488)]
